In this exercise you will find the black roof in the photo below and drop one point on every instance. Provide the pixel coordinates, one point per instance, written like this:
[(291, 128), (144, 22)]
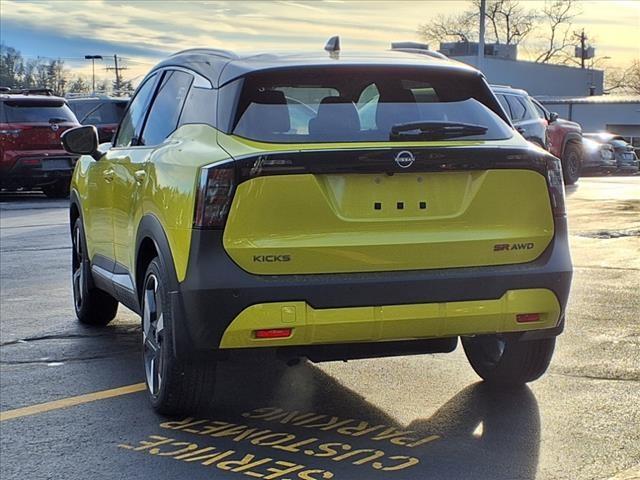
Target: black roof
[(221, 66)]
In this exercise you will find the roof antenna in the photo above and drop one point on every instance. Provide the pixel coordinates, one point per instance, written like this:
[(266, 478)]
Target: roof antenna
[(333, 46)]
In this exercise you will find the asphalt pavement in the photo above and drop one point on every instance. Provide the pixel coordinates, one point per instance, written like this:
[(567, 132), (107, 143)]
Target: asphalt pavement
[(72, 405)]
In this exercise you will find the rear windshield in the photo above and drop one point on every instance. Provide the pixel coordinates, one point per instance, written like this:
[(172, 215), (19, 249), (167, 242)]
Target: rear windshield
[(356, 105), (104, 113), (37, 112)]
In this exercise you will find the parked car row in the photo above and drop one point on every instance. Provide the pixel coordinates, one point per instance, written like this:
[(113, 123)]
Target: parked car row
[(579, 152), (625, 159), (31, 123)]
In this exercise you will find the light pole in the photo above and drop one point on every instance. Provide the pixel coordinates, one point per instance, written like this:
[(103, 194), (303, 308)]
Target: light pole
[(93, 59), (483, 9)]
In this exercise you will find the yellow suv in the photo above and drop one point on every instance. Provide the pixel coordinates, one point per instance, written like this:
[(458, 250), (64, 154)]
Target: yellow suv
[(328, 206)]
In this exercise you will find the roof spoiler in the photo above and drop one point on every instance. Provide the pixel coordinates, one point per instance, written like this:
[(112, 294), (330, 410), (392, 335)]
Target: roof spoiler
[(26, 91), (415, 47)]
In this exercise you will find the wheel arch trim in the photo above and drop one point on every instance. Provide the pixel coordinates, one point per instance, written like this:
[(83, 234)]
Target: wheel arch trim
[(151, 229), (571, 137)]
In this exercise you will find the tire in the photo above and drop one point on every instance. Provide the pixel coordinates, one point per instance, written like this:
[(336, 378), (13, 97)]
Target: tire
[(92, 306), (174, 386), (60, 189), (505, 361), (571, 163)]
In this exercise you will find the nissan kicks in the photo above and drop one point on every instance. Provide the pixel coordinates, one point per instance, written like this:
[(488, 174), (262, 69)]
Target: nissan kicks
[(326, 206)]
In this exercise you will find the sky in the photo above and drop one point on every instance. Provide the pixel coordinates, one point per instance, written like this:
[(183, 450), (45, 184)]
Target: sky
[(143, 32)]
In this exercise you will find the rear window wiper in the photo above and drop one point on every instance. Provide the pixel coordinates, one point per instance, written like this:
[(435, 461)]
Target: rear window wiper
[(57, 120), (434, 130)]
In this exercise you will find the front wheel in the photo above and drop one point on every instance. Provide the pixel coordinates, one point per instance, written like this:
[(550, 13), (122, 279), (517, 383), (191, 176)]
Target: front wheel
[(175, 386), (508, 361), (571, 163), (92, 306)]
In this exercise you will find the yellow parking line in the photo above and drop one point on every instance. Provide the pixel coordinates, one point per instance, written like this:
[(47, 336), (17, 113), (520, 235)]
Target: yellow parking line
[(70, 401)]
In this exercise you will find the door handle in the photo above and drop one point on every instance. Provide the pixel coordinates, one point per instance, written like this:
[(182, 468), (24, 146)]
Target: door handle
[(139, 175), (108, 174)]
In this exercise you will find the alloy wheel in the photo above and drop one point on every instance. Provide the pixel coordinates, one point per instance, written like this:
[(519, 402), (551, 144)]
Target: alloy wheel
[(492, 348), (573, 164), (78, 269), (152, 334)]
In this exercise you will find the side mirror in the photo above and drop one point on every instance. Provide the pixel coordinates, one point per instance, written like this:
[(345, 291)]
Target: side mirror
[(82, 141), (553, 116)]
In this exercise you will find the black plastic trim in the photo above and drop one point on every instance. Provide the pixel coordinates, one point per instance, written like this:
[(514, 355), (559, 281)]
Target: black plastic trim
[(382, 160), (216, 290)]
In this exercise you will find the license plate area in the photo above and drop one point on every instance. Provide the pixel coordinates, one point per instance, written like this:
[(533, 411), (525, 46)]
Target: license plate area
[(56, 164), (414, 196)]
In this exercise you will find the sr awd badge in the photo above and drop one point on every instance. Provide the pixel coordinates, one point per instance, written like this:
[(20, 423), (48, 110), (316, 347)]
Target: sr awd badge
[(405, 159)]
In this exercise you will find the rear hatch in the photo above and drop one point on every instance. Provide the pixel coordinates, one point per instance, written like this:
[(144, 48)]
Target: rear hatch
[(31, 125), (395, 177)]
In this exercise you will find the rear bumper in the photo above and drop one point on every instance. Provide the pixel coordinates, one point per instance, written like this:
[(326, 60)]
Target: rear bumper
[(216, 292), (36, 168)]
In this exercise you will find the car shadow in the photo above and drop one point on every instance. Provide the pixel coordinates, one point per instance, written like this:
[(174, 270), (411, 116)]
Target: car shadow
[(481, 432)]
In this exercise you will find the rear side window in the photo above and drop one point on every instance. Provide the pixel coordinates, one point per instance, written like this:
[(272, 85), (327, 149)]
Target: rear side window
[(358, 104), (37, 112), (166, 108), (505, 105), (518, 110), (131, 125), (539, 110)]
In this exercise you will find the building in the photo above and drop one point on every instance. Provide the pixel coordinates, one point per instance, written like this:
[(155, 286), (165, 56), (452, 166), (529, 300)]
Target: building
[(501, 67)]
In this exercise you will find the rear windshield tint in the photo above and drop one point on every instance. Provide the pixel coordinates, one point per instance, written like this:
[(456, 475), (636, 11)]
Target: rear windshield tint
[(359, 104), (107, 112), (32, 112)]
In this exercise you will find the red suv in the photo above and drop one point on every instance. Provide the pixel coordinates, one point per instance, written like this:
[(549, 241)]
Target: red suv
[(31, 155), (562, 138)]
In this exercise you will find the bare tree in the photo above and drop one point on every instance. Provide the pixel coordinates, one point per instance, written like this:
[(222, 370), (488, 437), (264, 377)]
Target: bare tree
[(460, 27), (512, 22), (624, 80), (558, 16), (509, 22)]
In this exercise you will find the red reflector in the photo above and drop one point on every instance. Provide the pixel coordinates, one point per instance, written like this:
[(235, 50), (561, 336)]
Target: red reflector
[(273, 333), (527, 317), (30, 161)]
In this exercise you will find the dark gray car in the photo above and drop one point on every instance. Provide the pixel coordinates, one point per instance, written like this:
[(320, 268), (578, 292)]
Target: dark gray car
[(625, 156)]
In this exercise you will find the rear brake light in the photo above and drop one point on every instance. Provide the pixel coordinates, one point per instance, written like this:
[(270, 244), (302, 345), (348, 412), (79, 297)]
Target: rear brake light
[(30, 162), (556, 186), (215, 193), (527, 317), (273, 333)]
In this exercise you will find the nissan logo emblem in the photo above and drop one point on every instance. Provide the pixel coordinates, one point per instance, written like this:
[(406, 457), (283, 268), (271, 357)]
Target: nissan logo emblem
[(405, 159), (54, 127)]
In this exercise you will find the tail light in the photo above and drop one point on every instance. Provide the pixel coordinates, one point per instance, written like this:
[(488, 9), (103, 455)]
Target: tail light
[(556, 186), (215, 193)]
